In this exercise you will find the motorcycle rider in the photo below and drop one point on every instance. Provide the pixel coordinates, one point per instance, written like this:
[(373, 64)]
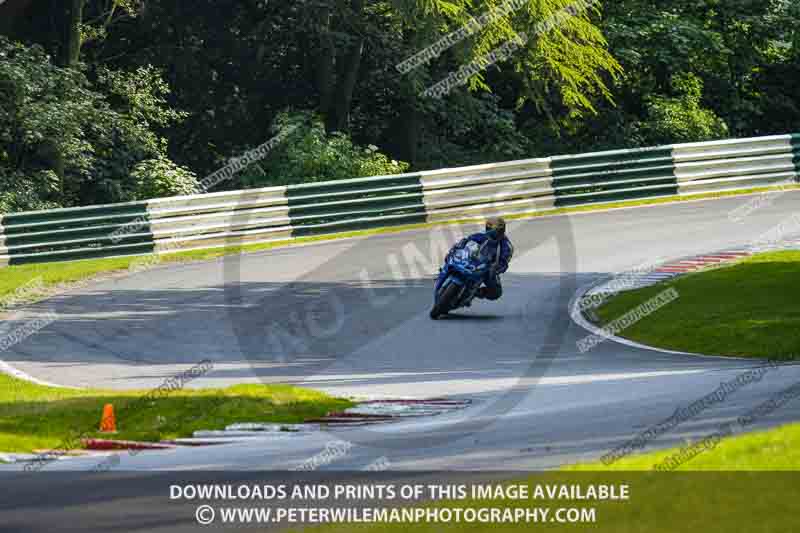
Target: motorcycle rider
[(498, 248)]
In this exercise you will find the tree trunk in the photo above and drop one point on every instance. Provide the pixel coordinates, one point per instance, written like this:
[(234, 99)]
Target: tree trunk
[(339, 115), (69, 56), (402, 137), (325, 62), (408, 125), (71, 43)]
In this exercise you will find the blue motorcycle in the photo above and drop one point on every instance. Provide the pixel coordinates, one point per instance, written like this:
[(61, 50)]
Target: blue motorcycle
[(463, 273)]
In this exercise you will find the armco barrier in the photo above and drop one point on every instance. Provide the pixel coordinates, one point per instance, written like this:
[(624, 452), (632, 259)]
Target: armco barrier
[(344, 205), (613, 176), (512, 187)]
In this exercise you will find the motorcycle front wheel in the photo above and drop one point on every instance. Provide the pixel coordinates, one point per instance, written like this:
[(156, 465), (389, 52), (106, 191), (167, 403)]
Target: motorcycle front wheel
[(446, 301)]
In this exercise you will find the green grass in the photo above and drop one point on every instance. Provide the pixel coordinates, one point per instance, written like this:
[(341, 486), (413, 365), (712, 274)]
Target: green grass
[(729, 496), (748, 309), (658, 503), (51, 274), (70, 272), (35, 417), (773, 450)]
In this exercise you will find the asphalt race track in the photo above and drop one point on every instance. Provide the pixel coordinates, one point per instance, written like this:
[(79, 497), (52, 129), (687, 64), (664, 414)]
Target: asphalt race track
[(351, 317)]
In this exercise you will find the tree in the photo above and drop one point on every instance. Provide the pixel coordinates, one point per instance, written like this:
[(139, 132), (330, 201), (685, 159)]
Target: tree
[(585, 76), (740, 51), (311, 154), (47, 109), (681, 118), (70, 52)]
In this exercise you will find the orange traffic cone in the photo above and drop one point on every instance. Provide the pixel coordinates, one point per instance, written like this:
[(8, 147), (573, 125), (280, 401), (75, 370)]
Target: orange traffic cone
[(108, 424)]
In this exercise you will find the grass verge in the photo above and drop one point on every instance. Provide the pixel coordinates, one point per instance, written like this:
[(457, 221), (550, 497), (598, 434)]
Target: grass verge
[(770, 450), (748, 309), (35, 417), (657, 503), (733, 494), (43, 279)]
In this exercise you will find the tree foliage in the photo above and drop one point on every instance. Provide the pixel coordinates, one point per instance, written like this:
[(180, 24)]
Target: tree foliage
[(681, 118), (309, 154), (155, 178), (165, 91), (64, 139)]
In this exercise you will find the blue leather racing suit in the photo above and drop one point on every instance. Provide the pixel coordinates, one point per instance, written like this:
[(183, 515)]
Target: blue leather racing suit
[(492, 289)]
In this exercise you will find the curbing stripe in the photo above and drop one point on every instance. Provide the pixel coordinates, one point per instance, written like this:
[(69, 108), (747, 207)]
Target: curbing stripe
[(111, 444), (578, 317)]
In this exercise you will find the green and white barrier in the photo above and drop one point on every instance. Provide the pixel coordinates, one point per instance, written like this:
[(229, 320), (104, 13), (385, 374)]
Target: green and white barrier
[(736, 164), (481, 190), (613, 176), (512, 187)]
